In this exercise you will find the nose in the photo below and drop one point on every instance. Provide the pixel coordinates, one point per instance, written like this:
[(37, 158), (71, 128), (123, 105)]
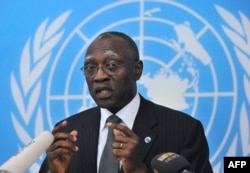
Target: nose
[(101, 74)]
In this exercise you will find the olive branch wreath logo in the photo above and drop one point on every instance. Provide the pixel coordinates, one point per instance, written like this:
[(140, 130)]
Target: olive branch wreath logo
[(238, 32), (27, 84)]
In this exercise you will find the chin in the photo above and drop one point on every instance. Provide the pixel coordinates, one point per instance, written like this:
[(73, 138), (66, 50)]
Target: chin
[(105, 104), (111, 107)]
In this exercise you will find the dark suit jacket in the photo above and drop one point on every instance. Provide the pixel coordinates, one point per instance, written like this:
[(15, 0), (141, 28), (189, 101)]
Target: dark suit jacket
[(169, 130)]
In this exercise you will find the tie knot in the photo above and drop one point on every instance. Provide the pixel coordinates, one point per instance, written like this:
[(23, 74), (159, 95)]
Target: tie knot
[(113, 119)]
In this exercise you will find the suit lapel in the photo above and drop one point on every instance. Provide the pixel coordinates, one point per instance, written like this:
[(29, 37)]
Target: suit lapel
[(143, 125), (89, 136)]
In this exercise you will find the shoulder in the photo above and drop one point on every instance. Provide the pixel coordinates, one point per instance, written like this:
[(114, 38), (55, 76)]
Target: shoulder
[(178, 125), (85, 114), (82, 117), (166, 115)]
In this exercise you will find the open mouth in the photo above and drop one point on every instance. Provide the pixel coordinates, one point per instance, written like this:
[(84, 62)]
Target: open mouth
[(103, 93)]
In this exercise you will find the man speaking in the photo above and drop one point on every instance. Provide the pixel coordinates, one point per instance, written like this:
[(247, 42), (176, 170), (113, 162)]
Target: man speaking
[(125, 131)]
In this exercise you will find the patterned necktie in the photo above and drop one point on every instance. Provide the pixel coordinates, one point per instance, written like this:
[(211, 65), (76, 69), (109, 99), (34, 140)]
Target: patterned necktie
[(107, 163)]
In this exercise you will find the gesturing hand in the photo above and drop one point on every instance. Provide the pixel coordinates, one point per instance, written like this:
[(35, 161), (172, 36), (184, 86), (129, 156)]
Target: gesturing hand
[(60, 152), (126, 149)]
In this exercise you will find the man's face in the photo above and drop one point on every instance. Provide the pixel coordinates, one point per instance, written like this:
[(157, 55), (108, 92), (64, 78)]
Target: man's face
[(112, 90)]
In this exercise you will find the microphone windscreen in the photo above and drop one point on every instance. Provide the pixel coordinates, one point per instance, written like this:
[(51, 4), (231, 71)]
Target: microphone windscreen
[(23, 160), (169, 163)]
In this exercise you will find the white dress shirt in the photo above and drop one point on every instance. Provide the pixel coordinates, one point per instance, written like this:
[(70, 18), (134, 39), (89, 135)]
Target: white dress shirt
[(127, 114)]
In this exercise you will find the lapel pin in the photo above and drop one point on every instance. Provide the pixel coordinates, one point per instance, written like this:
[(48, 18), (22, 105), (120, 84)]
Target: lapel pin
[(147, 139)]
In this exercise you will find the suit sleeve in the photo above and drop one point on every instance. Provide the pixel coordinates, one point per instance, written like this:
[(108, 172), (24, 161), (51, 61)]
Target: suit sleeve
[(196, 149), (44, 167)]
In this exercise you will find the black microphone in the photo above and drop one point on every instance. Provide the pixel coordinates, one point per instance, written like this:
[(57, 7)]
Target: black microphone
[(170, 163)]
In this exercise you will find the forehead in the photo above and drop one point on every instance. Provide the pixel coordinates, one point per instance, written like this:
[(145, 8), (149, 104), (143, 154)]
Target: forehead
[(108, 47)]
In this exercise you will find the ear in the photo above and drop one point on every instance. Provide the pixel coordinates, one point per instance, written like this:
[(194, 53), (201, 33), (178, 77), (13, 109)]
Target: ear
[(138, 69)]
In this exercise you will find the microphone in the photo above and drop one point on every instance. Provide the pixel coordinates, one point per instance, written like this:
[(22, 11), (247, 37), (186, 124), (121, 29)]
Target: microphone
[(24, 159), (170, 162)]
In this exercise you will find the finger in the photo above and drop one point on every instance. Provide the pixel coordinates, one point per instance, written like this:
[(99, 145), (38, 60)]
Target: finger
[(65, 140), (120, 137), (120, 154), (65, 136), (119, 145), (62, 144), (119, 133), (125, 131), (74, 133), (60, 152), (59, 127)]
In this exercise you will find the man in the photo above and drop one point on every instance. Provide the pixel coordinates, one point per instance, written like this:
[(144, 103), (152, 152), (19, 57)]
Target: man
[(112, 67)]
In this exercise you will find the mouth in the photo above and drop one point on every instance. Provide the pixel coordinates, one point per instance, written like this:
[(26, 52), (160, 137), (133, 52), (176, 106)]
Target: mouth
[(103, 92)]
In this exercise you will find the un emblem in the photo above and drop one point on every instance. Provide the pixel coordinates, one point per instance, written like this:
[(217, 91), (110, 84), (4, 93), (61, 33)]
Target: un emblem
[(181, 70)]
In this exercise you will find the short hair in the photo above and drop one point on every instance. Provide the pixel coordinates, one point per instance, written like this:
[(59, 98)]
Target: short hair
[(130, 42)]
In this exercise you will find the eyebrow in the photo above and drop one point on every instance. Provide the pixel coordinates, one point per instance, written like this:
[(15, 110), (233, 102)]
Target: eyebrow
[(88, 57), (110, 53), (107, 53)]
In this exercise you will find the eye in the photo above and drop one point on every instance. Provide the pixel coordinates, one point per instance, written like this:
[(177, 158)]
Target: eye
[(90, 67), (112, 66)]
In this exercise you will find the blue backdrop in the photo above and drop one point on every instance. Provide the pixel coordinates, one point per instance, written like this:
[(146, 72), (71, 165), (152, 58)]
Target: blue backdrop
[(196, 55)]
